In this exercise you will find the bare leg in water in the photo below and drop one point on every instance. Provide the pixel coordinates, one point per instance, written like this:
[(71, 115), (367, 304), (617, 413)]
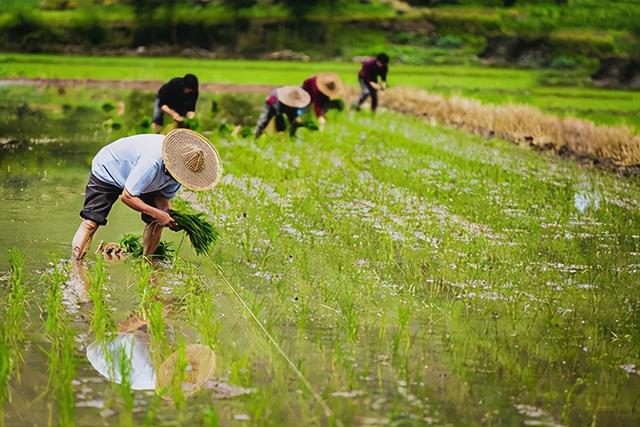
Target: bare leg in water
[(151, 238), (79, 247)]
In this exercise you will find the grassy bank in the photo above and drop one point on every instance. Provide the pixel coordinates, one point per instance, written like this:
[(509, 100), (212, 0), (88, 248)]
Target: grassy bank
[(554, 92)]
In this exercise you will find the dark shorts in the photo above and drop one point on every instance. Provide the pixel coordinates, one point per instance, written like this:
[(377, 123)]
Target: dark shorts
[(99, 198)]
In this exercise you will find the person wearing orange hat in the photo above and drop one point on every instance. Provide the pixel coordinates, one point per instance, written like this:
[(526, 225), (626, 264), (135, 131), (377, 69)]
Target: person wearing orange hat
[(323, 89)]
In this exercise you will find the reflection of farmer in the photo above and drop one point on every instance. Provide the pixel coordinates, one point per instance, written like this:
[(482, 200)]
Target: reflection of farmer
[(323, 88), (145, 172), (177, 98), (132, 342), (288, 101), (371, 69)]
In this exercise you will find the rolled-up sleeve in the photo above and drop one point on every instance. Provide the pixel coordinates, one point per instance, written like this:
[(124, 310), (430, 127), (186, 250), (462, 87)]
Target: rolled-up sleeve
[(140, 177), (170, 191)]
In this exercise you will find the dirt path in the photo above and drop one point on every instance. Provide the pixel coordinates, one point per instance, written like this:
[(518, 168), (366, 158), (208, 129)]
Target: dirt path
[(151, 85)]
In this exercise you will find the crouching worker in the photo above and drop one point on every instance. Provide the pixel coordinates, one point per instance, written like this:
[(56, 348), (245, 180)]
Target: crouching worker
[(145, 172), (289, 101), (371, 69), (177, 98), (323, 89)]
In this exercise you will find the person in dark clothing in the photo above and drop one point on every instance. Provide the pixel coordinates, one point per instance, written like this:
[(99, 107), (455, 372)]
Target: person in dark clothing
[(177, 98), (371, 69), (323, 88), (289, 101)]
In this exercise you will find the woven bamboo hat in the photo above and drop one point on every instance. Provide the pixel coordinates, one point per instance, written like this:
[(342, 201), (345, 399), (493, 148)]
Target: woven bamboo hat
[(191, 159), (201, 363), (293, 96), (330, 84)]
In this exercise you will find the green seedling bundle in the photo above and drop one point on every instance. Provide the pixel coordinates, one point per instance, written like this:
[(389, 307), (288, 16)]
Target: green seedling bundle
[(196, 225)]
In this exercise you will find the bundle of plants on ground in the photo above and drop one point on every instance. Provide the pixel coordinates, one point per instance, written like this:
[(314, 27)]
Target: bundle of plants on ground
[(200, 230), (132, 245)]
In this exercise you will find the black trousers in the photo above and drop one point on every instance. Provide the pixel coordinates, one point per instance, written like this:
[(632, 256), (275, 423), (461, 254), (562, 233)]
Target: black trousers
[(368, 90), (270, 112)]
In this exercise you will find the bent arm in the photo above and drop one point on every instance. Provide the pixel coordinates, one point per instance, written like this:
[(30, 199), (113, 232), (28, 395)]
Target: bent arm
[(137, 204), (170, 111)]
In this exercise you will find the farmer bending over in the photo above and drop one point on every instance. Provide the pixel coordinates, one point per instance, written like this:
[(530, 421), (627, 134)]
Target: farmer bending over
[(371, 69), (177, 98), (289, 101), (323, 88), (145, 172)]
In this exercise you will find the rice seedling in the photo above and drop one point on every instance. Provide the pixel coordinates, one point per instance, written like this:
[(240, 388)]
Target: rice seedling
[(124, 387), (62, 353), (153, 312), (200, 230), (132, 244), (210, 417), (13, 318), (102, 325)]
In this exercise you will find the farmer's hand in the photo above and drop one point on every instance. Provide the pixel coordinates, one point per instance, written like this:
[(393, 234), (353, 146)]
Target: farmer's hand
[(178, 118), (383, 85), (174, 226), (164, 219), (191, 115), (375, 85), (322, 121)]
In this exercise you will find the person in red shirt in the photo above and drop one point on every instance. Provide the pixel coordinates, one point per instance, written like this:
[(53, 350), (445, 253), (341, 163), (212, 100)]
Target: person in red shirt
[(323, 88), (371, 69)]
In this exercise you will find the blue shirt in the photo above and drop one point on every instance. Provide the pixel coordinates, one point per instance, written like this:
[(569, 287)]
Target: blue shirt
[(135, 163)]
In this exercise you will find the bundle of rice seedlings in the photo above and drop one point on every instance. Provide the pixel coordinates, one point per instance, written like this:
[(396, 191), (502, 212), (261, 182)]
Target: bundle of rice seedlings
[(200, 230), (132, 244)]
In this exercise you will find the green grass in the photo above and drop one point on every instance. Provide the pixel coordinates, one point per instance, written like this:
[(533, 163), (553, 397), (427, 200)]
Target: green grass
[(492, 85)]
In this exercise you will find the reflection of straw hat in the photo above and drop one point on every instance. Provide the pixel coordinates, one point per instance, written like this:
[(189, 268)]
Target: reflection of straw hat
[(330, 84), (293, 96), (201, 362), (191, 159)]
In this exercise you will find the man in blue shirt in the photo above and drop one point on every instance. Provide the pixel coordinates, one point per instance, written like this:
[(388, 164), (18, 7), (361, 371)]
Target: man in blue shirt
[(145, 172)]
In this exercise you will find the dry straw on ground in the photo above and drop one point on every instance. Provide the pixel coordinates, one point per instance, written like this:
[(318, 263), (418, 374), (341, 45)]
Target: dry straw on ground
[(619, 146)]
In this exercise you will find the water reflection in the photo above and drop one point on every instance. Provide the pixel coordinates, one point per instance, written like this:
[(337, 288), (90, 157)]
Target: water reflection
[(585, 196), (106, 359)]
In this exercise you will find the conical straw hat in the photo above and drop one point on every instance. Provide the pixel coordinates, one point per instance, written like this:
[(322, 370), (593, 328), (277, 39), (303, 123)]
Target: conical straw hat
[(293, 96), (330, 84), (191, 159), (201, 363)]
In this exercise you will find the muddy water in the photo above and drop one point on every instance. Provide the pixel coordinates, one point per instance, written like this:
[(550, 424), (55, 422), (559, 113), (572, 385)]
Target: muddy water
[(43, 171)]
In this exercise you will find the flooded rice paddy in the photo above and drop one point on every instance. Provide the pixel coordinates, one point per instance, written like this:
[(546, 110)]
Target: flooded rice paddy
[(410, 275)]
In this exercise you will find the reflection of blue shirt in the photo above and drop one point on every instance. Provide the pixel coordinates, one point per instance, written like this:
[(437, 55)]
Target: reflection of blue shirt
[(135, 163)]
